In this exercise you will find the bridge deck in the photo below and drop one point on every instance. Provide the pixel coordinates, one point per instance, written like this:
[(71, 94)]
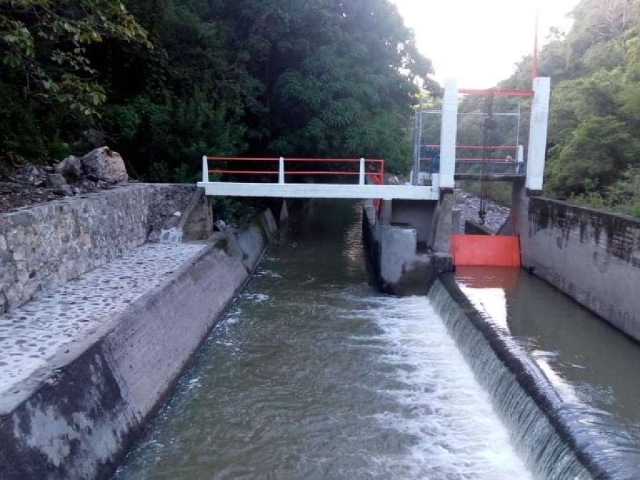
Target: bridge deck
[(319, 190)]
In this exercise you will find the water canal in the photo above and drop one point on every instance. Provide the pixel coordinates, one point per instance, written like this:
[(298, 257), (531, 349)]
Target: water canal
[(313, 374)]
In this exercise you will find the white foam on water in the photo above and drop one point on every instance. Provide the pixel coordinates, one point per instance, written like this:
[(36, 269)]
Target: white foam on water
[(267, 273), (255, 297), (458, 434)]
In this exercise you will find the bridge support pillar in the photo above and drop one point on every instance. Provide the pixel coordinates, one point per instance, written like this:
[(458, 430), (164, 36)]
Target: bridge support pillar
[(401, 243), (443, 224), (449, 135)]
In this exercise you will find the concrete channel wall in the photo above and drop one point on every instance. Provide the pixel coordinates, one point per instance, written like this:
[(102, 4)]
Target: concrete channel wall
[(592, 256), (44, 246), (80, 423)]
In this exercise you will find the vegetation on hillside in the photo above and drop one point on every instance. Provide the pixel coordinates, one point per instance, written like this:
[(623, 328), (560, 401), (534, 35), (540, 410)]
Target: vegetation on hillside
[(167, 80), (594, 134)]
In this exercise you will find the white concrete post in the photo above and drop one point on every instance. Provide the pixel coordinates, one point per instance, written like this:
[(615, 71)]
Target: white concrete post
[(362, 179), (281, 171), (205, 169), (435, 180), (449, 134), (538, 133), (519, 159)]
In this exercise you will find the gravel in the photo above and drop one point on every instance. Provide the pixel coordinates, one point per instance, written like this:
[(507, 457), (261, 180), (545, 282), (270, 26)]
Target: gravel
[(470, 205)]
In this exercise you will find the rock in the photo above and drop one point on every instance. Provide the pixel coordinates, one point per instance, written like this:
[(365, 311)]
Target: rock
[(220, 225), (70, 167), (106, 165), (154, 236), (31, 175), (470, 205), (86, 184), (58, 184)]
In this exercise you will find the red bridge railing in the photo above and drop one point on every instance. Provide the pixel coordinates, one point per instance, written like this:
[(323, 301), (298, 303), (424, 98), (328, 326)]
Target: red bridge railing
[(368, 168)]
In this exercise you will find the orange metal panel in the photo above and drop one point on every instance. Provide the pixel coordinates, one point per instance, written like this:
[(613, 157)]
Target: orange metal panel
[(485, 250)]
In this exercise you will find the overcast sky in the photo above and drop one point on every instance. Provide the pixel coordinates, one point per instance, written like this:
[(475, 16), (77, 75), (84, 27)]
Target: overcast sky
[(479, 41)]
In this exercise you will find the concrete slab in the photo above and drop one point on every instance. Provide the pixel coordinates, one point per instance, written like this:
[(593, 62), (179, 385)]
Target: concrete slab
[(319, 190)]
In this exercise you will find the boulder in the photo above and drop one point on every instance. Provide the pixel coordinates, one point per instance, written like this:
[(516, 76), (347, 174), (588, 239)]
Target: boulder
[(106, 165), (70, 167), (58, 184)]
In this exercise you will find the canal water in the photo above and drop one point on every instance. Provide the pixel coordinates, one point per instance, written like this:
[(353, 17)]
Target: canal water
[(591, 366), (313, 374)]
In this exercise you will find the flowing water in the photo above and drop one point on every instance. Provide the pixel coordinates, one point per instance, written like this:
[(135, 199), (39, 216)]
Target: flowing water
[(313, 374), (592, 367)]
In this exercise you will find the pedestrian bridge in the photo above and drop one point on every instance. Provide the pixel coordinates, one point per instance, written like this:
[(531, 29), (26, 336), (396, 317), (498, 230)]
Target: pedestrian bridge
[(368, 176), (280, 177)]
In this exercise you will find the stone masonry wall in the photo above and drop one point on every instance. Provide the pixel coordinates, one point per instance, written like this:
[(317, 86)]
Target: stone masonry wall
[(44, 246), (593, 257)]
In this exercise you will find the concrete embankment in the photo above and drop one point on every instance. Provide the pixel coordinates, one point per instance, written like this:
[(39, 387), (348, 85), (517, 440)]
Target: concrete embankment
[(592, 256), (77, 415)]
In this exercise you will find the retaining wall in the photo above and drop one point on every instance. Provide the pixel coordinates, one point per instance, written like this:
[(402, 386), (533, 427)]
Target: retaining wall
[(592, 256), (80, 422), (44, 246)]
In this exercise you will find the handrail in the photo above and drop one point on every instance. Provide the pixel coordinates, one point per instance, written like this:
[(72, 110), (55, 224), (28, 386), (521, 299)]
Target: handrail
[(267, 159), (492, 160), (497, 92), (272, 172), (517, 159), (377, 177)]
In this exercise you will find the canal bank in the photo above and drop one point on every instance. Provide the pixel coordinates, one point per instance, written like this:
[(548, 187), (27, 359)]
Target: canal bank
[(87, 364)]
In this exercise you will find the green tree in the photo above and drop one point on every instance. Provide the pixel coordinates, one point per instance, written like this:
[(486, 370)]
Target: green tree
[(45, 43), (594, 135)]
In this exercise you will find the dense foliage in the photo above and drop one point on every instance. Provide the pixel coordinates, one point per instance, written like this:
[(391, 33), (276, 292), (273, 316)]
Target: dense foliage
[(168, 80), (594, 142)]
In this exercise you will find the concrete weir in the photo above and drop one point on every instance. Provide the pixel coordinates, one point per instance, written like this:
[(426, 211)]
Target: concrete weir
[(85, 402), (554, 443)]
